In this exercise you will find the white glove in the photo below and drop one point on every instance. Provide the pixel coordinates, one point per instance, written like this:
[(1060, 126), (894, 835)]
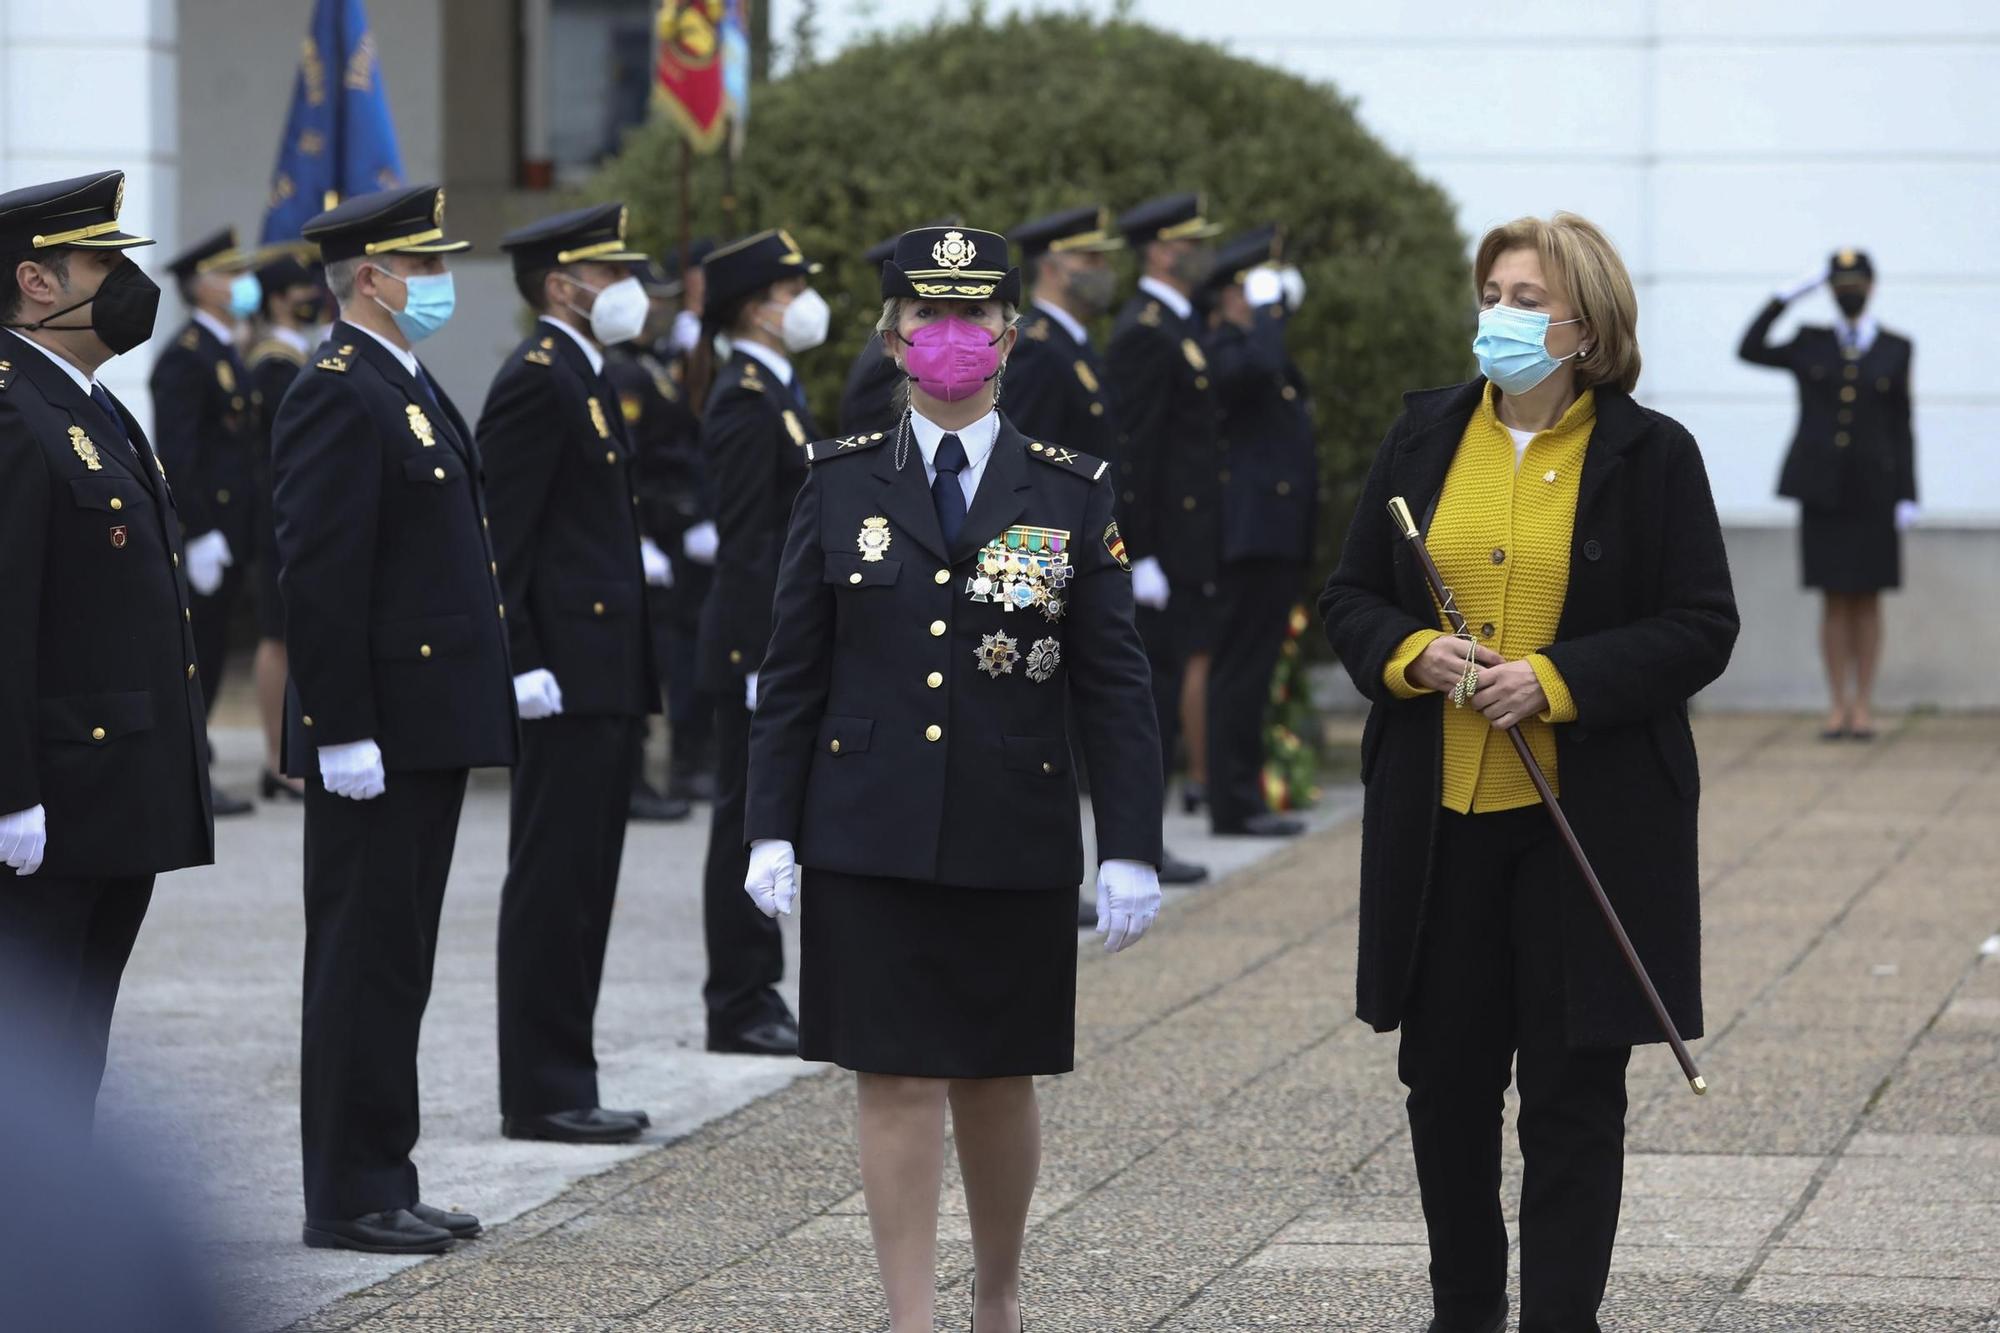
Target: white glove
[(207, 556), (24, 836), (687, 331), (750, 691), (701, 543), (1295, 287), (773, 881), (1149, 584), (537, 695), (1906, 515), (353, 770), (1262, 286), (659, 569), (1804, 285), (1128, 898)]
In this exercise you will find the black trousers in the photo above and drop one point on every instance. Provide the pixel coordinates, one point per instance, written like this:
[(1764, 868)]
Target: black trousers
[(1171, 637), (375, 877), (746, 952), (63, 948), (1489, 994), (211, 625), (565, 838), (676, 621), (1254, 604)]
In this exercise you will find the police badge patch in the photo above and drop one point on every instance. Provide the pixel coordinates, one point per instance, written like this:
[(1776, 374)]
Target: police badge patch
[(873, 539)]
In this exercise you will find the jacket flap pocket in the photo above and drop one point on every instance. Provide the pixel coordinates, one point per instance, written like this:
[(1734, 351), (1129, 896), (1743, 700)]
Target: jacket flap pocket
[(95, 719), (108, 493), (434, 467), (432, 636), (845, 735), (848, 569), (598, 600), (1047, 755)]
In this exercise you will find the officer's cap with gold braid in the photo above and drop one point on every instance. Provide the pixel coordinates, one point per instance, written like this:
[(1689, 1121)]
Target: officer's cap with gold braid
[(952, 264), (1087, 230), (1235, 257), (81, 211), (1850, 268), (216, 252), (751, 264), (408, 220), (1171, 217), (585, 235)]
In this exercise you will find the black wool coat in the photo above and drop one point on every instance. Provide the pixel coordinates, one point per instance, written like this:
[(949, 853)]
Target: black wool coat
[(1648, 620), (208, 430)]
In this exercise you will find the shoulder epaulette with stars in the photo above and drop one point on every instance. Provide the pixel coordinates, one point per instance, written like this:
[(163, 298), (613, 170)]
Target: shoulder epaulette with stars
[(1151, 316), (6, 374), (748, 379), (1070, 460), (820, 450), (339, 362), (542, 354), (1039, 331), (190, 337)]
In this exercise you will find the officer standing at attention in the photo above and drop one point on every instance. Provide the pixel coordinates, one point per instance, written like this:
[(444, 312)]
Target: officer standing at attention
[(755, 431), (559, 485), (1170, 461), (1054, 388), (397, 635), (208, 440), (1270, 492), (102, 777)]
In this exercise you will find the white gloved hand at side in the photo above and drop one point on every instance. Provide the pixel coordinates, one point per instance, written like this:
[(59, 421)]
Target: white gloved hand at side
[(1814, 279), (659, 570), (1906, 515), (1149, 584), (1262, 286), (701, 543), (537, 695), (1295, 287), (750, 691), (207, 556), (353, 770), (1128, 898), (24, 836), (773, 881)]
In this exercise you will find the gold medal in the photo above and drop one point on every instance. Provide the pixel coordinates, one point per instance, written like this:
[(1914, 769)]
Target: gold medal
[(85, 448), (420, 426), (997, 653), (873, 539)]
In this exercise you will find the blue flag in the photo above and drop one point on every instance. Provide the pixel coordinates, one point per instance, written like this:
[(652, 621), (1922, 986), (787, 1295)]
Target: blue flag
[(339, 139)]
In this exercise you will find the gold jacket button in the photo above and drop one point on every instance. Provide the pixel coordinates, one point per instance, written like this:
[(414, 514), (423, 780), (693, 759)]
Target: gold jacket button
[(835, 747), (611, 455), (117, 503), (494, 567), (502, 608), (190, 671), (1840, 439), (1847, 394), (187, 614), (1048, 767), (97, 733), (222, 497), (735, 657), (855, 577), (1097, 409), (935, 679), (438, 472), (597, 608), (937, 629), (423, 650), (306, 720), (1187, 503), (1499, 556), (931, 733), (942, 577), (1284, 488), (1851, 372), (177, 560)]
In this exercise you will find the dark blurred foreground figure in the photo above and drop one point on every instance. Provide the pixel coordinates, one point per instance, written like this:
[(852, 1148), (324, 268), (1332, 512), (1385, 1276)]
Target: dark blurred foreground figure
[(1852, 467)]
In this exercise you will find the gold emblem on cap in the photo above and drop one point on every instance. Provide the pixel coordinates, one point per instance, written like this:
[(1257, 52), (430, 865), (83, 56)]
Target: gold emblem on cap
[(420, 426), (874, 538), (118, 199), (954, 251), (85, 450), (1846, 258), (437, 208)]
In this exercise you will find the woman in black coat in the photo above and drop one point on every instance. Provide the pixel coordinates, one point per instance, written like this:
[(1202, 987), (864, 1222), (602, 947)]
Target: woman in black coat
[(1477, 935)]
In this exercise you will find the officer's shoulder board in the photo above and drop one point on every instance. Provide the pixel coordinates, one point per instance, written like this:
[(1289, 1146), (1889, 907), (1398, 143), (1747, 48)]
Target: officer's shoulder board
[(190, 338), (339, 360), (543, 353), (821, 450), (1152, 314), (6, 374), (1088, 466)]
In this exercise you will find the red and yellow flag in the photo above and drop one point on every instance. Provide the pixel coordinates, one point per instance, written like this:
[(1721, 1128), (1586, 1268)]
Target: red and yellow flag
[(688, 70)]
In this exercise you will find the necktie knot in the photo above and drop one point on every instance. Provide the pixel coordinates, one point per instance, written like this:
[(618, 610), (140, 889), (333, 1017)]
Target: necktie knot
[(950, 456)]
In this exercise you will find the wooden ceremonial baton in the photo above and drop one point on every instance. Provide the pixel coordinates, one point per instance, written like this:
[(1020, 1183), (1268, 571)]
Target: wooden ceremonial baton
[(1406, 525)]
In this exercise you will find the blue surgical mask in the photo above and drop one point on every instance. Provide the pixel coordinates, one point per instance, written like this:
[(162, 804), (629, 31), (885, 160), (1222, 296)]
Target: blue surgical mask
[(246, 294), (429, 304), (1513, 347)]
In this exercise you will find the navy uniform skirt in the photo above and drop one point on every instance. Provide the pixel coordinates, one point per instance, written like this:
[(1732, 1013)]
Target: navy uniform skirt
[(930, 981)]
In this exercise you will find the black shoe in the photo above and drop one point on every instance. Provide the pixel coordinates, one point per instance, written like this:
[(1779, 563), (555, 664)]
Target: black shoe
[(1173, 870), (690, 784), (462, 1226), (1497, 1323), (639, 1118), (1194, 795), (651, 807), (773, 1036), (274, 788), (225, 805), (1263, 825), (398, 1231), (593, 1125)]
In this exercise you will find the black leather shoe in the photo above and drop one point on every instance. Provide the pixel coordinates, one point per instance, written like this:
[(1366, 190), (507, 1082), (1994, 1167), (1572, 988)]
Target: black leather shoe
[(773, 1036), (462, 1226), (1194, 795), (650, 807), (274, 788), (1496, 1324), (690, 784), (1173, 870), (1263, 825), (594, 1125), (225, 805), (398, 1231), (639, 1118)]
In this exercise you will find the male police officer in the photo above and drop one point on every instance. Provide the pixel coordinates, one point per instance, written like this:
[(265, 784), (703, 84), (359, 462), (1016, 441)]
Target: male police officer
[(102, 778), (1269, 492), (1054, 386), (208, 430), (398, 640), (559, 481)]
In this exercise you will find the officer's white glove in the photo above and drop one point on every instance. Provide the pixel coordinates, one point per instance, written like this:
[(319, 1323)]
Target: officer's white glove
[(1906, 515), (701, 543), (1149, 584), (750, 691), (24, 836), (1262, 286), (659, 569), (1295, 287), (1128, 898), (537, 695), (773, 881), (1804, 285), (207, 556), (687, 331), (353, 770)]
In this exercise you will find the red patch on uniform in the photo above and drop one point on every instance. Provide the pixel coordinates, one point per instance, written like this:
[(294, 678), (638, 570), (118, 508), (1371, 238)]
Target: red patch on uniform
[(118, 537), (1115, 546)]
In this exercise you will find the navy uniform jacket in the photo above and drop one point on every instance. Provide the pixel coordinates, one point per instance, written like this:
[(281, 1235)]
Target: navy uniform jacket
[(1170, 464), (565, 527), (101, 717), (208, 435), (755, 435), (1054, 388), (881, 747), (1854, 412), (274, 364), (869, 400), (393, 612), (665, 434), (1270, 488)]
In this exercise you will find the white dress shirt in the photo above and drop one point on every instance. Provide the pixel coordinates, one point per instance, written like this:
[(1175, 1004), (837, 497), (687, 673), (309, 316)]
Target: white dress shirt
[(590, 352), (1860, 335), (402, 354), (216, 327), (1167, 296), (1067, 320), (293, 338), (83, 381), (977, 438), (779, 364)]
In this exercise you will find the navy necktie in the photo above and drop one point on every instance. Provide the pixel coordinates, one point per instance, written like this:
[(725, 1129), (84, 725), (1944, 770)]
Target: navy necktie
[(424, 383), (946, 492), (110, 409)]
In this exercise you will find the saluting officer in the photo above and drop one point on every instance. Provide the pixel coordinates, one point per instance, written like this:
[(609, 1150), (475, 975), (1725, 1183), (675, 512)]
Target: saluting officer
[(755, 431), (208, 442), (1054, 388), (869, 402), (559, 485), (1270, 491), (103, 783), (398, 641)]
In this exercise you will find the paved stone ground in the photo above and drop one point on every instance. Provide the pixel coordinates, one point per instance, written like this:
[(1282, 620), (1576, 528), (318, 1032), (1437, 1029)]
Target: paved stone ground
[(1231, 1155)]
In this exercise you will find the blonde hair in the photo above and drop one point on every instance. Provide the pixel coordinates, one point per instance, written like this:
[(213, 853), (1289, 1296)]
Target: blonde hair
[(892, 314), (1582, 266)]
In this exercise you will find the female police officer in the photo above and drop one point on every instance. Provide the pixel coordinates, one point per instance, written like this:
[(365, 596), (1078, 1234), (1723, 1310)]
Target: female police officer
[(945, 585)]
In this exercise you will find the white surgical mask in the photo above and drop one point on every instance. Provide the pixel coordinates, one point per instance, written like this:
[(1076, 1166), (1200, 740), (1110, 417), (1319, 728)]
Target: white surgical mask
[(619, 313), (806, 321)]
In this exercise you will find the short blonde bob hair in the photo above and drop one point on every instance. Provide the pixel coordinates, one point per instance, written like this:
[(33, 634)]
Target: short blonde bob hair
[(1583, 268)]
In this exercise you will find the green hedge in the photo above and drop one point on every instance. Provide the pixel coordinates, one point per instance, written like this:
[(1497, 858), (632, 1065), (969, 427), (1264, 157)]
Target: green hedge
[(1003, 120)]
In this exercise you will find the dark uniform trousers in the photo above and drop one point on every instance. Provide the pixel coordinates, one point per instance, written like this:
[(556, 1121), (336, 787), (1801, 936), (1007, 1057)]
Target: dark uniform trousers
[(1255, 600), (1488, 993), (746, 951)]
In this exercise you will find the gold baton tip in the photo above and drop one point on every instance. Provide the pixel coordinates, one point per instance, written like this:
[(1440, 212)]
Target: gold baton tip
[(1699, 1084), (1399, 509)]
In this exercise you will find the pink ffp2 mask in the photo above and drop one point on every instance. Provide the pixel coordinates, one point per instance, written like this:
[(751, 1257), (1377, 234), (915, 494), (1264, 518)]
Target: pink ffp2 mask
[(952, 358)]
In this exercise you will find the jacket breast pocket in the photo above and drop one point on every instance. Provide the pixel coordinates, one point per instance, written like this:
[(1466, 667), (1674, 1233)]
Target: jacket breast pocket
[(110, 494), (845, 735), (1043, 756), (421, 639), (434, 467), (96, 719), (846, 569)]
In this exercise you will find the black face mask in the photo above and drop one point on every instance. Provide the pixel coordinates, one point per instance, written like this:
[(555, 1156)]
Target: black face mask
[(1851, 300), (122, 310), (307, 312)]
